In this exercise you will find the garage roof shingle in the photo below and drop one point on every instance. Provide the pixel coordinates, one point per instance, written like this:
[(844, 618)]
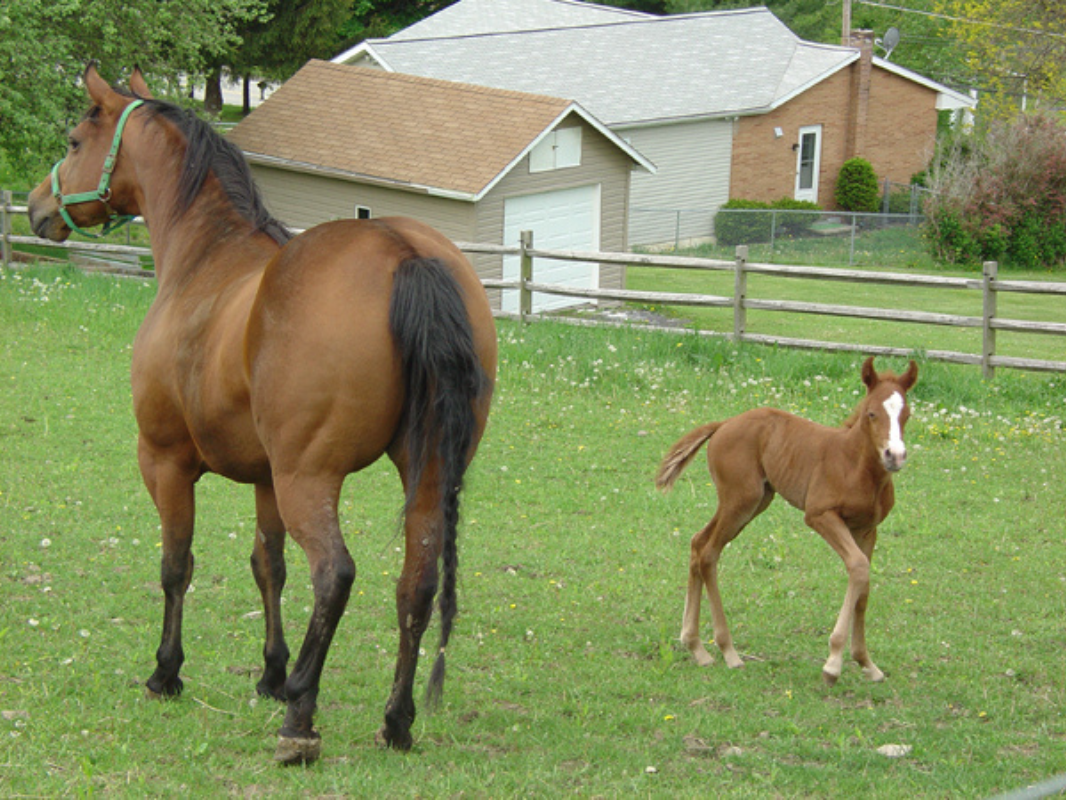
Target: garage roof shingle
[(400, 129)]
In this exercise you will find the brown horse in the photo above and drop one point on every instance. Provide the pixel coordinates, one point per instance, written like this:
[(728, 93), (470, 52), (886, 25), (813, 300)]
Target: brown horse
[(841, 477), (285, 364)]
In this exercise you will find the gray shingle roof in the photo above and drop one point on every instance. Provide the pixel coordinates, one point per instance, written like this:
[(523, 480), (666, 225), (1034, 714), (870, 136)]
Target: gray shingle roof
[(493, 16), (633, 70)]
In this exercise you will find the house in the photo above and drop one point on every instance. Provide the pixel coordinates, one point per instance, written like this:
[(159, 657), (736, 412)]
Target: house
[(479, 164), (726, 104)]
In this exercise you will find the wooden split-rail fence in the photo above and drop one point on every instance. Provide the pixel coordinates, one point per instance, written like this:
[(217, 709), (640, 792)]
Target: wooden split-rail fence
[(989, 284)]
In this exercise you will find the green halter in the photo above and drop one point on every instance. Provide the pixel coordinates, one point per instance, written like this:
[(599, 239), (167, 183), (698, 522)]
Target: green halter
[(103, 191)]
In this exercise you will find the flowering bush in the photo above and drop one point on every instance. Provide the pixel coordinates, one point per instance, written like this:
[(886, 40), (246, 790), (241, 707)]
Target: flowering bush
[(1002, 196)]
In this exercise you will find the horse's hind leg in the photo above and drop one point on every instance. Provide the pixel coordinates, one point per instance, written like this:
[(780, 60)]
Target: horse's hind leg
[(423, 537), (706, 549), (309, 507), (268, 567), (171, 488)]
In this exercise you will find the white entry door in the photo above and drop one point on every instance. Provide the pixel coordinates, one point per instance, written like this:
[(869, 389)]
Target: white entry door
[(808, 162), (564, 219)]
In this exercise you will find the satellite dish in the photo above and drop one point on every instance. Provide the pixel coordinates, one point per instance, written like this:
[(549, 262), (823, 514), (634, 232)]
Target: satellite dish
[(888, 44)]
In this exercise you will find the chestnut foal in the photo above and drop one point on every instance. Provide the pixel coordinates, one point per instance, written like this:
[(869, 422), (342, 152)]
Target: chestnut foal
[(840, 477)]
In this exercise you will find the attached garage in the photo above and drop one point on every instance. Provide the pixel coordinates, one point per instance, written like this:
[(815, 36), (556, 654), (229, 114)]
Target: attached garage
[(481, 165), (565, 219)]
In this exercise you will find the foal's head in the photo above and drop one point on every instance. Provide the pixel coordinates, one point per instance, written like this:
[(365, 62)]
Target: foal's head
[(884, 412)]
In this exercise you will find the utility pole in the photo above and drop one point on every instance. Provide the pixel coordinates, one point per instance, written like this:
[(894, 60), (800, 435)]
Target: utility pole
[(845, 34)]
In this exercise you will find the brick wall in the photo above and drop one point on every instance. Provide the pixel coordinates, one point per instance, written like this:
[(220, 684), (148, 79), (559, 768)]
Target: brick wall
[(897, 139)]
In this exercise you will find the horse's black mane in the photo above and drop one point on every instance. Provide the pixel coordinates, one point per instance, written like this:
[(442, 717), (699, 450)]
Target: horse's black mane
[(210, 152)]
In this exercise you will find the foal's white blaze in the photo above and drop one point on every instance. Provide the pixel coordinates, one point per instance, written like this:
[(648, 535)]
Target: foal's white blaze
[(895, 449)]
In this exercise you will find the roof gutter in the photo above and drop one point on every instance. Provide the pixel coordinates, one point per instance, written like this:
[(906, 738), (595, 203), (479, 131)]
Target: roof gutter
[(356, 177)]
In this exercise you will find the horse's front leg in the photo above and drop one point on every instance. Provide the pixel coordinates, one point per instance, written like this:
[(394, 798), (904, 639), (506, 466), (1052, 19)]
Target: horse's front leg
[(309, 507), (268, 567), (866, 541), (833, 529), (170, 482), (424, 531)]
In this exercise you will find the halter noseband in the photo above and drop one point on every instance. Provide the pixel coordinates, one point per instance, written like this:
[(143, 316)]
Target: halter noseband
[(102, 192)]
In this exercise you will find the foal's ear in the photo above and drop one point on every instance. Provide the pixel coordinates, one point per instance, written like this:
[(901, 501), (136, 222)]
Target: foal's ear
[(909, 378), (138, 85), (869, 374), (100, 92)]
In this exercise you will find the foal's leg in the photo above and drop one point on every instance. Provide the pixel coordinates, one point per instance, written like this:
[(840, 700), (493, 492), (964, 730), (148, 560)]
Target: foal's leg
[(833, 529), (866, 541), (308, 505), (423, 539), (268, 567), (706, 549), (171, 488)]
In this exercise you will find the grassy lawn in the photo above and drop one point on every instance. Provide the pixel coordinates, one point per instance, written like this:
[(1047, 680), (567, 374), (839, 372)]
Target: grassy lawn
[(565, 675)]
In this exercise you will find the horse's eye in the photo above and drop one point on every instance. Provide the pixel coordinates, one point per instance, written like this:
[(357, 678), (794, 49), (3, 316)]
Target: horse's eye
[(871, 414), (74, 144)]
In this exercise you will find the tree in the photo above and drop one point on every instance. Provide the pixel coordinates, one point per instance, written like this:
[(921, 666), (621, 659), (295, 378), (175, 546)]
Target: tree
[(1015, 50), (278, 43), (45, 45)]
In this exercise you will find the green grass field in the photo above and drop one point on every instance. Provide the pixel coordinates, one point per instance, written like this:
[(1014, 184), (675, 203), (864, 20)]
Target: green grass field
[(565, 674)]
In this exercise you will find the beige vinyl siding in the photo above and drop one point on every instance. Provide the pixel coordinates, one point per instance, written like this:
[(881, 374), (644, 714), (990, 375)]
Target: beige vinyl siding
[(302, 200), (602, 164), (693, 162)]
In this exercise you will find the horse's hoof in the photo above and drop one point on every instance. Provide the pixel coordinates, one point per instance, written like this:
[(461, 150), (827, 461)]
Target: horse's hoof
[(873, 674), (298, 750), (734, 661), (264, 689), (829, 678), (165, 691), (401, 742)]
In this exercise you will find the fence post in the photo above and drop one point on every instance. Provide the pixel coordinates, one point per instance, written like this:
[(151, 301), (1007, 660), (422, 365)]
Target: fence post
[(988, 339), (5, 227), (740, 293), (525, 297)]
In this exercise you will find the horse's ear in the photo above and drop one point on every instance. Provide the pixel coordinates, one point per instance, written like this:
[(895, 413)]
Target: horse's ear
[(138, 85), (99, 90), (869, 374), (909, 378)]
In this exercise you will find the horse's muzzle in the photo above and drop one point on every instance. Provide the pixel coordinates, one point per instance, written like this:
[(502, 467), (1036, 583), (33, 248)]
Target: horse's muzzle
[(893, 459), (45, 220)]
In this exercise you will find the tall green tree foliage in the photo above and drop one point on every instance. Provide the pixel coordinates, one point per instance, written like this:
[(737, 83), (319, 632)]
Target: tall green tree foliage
[(45, 45), (278, 43), (1015, 50)]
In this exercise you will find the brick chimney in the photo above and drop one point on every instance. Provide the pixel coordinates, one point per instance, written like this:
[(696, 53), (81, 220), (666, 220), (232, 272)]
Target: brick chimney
[(859, 105)]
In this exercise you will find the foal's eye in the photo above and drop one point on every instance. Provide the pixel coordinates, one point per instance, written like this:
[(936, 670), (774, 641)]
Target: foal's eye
[(74, 144), (871, 414)]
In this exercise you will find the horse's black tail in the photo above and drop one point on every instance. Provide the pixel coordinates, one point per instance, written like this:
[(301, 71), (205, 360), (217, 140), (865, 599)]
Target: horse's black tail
[(442, 379)]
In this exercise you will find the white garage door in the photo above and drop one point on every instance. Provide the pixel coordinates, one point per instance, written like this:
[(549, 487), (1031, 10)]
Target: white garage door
[(566, 219)]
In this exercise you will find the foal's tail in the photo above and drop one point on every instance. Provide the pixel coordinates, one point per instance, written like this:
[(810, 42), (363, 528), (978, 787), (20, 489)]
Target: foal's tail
[(682, 453), (442, 379)]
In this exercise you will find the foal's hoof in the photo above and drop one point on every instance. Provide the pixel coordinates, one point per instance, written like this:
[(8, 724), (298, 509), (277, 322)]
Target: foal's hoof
[(397, 741), (874, 674), (298, 750)]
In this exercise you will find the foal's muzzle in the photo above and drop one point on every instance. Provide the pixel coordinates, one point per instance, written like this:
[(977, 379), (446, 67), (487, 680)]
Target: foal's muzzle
[(894, 458)]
